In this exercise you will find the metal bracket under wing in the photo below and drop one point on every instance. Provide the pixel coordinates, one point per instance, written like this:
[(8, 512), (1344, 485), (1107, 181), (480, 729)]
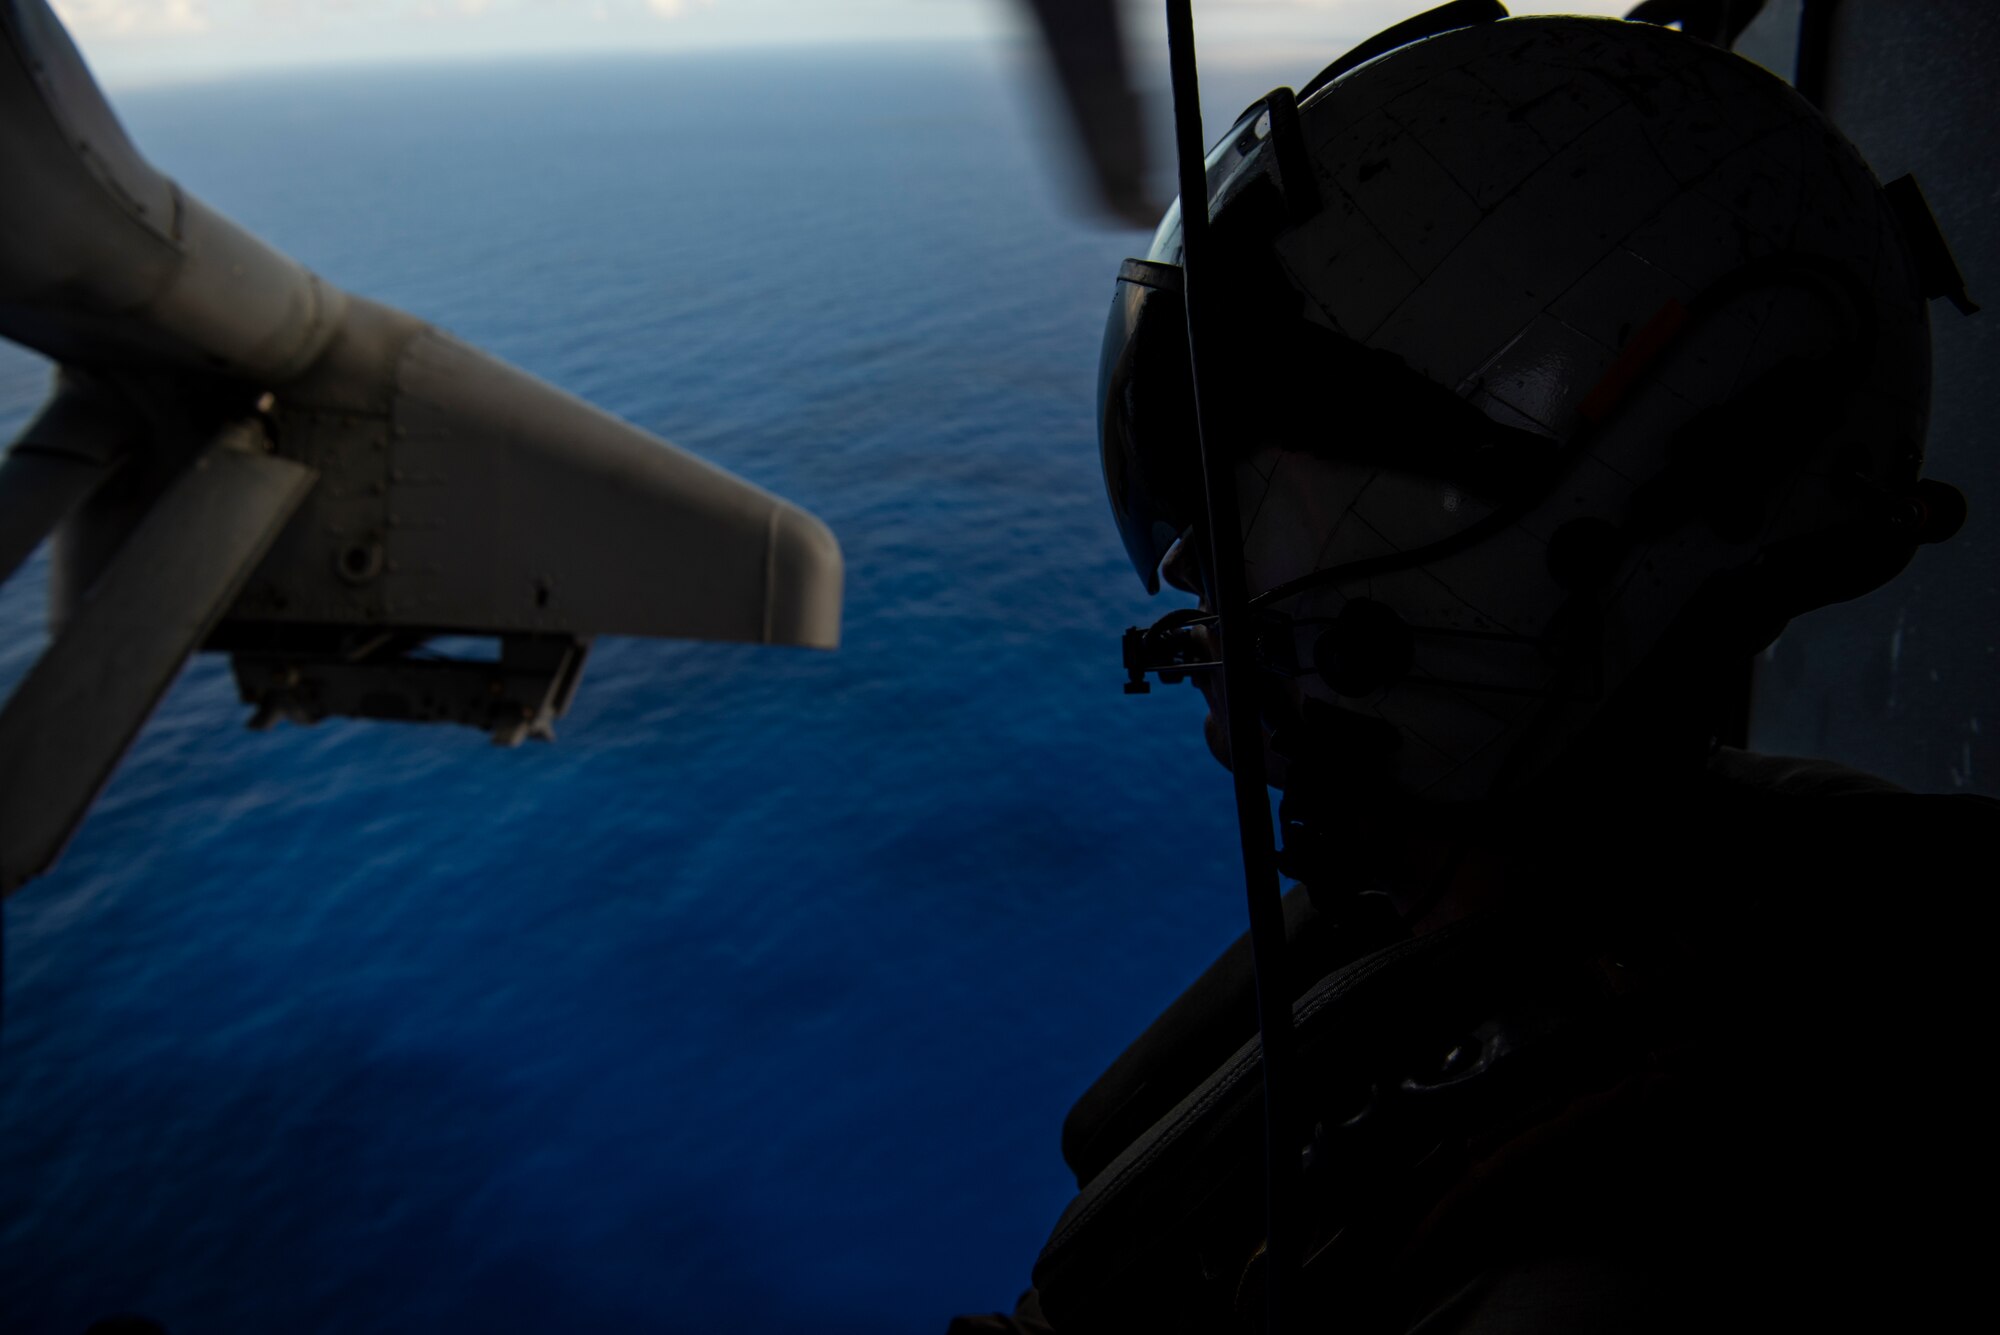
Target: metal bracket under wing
[(306, 674), (66, 726)]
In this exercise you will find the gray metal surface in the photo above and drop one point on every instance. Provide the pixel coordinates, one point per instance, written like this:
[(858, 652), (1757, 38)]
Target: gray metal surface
[(105, 261), (514, 697), (460, 495), (71, 719), (1906, 681), (78, 440)]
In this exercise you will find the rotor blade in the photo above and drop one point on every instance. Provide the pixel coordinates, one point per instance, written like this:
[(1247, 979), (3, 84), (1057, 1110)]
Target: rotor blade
[(1445, 17), (80, 706), (1718, 21), (1087, 50), (77, 441)]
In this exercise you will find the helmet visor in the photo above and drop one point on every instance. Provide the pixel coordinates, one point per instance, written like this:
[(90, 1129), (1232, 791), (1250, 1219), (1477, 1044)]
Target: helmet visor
[(1145, 386), (1146, 422)]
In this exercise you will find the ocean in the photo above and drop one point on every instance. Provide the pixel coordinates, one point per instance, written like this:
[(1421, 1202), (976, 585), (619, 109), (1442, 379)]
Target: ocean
[(755, 1001)]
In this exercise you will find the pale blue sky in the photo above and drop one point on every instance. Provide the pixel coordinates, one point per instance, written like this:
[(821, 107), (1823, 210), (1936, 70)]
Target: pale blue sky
[(140, 41)]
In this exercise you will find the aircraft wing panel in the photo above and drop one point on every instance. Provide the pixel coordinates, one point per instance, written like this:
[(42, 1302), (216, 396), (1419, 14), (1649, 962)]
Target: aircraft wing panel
[(464, 494)]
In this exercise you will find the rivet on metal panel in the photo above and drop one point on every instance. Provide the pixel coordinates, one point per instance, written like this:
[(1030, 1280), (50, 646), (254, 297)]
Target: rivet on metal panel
[(359, 562)]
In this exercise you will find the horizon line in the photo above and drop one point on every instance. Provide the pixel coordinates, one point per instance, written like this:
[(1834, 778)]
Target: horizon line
[(136, 79)]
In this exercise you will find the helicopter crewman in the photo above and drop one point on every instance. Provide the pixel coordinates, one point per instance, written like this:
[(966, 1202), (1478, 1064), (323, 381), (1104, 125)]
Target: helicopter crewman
[(1566, 360)]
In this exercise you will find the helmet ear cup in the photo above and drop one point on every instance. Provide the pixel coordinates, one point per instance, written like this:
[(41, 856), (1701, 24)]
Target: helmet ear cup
[(1742, 611), (1847, 562), (1367, 648)]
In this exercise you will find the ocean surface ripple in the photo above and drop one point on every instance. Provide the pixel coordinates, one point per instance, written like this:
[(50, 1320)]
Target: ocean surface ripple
[(754, 1002)]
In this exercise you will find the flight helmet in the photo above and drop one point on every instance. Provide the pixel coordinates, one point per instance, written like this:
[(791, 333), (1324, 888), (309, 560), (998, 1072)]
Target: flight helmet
[(1550, 344)]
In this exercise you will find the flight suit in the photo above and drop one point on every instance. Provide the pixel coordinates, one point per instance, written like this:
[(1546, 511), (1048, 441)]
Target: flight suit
[(1764, 1148)]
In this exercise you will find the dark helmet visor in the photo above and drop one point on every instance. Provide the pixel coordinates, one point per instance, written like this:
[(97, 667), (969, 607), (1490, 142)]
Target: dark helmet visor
[(1146, 424), (1145, 388)]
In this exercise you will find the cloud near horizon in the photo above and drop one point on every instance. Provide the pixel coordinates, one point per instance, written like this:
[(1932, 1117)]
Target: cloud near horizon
[(131, 18), (143, 40), (118, 20)]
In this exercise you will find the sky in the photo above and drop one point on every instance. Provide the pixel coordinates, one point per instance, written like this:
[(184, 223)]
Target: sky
[(131, 42)]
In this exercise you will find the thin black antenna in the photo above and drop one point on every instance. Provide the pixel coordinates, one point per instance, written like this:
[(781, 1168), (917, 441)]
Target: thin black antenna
[(1239, 696)]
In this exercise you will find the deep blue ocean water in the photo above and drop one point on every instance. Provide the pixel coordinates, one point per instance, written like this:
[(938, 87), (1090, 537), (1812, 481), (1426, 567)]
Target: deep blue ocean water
[(755, 1001)]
